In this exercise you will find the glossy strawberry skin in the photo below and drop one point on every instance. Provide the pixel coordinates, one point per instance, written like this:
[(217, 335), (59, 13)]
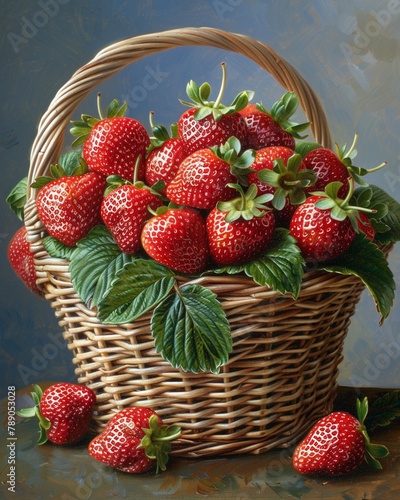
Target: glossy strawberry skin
[(263, 130), (70, 206), (117, 446), (201, 181), (177, 239), (239, 241), (318, 236), (335, 446), (124, 212), (163, 162), (200, 134), (328, 168), (69, 408), (114, 145), (21, 260)]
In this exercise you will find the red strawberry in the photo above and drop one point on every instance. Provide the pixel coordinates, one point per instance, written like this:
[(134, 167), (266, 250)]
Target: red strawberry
[(322, 226), (365, 225), (273, 128), (211, 123), (135, 440), (164, 155), (22, 260), (203, 177), (337, 445), (64, 411), (124, 210), (112, 144), (336, 167), (241, 229), (278, 170), (177, 238), (70, 206), (328, 167)]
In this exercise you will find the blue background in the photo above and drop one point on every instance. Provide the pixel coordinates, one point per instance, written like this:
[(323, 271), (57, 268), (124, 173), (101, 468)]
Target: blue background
[(348, 52)]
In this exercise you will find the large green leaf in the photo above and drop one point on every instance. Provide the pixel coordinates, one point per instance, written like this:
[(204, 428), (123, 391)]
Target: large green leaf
[(280, 267), (191, 330), (384, 410), (365, 260), (391, 219), (92, 263), (57, 249), (135, 289), (17, 198)]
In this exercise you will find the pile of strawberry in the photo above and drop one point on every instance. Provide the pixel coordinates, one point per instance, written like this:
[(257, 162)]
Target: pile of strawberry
[(212, 192)]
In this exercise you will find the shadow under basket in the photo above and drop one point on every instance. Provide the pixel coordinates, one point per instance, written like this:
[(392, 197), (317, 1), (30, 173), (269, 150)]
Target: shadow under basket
[(282, 373)]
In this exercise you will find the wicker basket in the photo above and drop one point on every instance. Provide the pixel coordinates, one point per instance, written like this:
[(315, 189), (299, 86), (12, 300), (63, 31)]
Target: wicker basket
[(281, 375)]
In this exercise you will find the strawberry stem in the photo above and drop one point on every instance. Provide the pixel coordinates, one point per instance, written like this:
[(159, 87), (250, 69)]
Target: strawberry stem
[(222, 88), (99, 110)]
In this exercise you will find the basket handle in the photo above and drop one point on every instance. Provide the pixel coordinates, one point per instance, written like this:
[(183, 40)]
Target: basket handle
[(48, 143)]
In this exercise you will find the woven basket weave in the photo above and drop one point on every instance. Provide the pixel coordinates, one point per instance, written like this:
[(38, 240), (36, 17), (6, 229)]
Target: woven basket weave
[(281, 375)]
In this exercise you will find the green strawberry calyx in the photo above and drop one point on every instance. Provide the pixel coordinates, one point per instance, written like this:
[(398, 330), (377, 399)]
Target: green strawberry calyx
[(160, 133), (44, 423), (341, 208), (281, 112), (82, 128), (346, 156), (372, 451), (289, 180), (115, 181), (199, 98), (231, 153), (247, 205), (57, 171), (157, 441)]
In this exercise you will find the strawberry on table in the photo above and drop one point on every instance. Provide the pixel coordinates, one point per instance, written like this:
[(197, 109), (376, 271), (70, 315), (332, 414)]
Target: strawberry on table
[(21, 260), (64, 411), (135, 440), (273, 128), (177, 238), (211, 123), (69, 206), (112, 144), (204, 176), (125, 209), (241, 229), (337, 445)]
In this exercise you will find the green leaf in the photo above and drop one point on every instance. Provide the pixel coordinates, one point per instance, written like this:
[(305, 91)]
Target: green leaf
[(280, 267), (17, 198), (136, 288), (365, 260), (92, 256), (57, 249), (191, 330), (391, 219), (384, 410)]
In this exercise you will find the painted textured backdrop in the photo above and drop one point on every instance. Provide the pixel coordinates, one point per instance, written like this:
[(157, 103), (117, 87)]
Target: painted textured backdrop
[(348, 51)]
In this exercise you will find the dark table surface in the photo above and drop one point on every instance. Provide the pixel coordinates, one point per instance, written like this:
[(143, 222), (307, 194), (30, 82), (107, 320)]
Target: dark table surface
[(66, 473)]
